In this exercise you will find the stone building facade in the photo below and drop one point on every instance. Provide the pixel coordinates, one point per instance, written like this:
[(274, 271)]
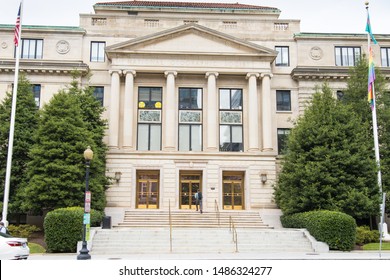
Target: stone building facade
[(197, 95)]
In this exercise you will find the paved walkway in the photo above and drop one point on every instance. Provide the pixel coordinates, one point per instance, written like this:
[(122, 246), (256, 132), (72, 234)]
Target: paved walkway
[(333, 255)]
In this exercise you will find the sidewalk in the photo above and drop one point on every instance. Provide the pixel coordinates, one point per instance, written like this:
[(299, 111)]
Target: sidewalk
[(332, 255)]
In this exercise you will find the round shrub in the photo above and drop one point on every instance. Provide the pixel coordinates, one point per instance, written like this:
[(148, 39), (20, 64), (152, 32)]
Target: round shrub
[(336, 229), (64, 228), (364, 235)]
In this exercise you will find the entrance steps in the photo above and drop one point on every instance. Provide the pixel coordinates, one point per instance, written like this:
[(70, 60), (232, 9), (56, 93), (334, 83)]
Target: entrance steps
[(148, 232), (121, 241), (191, 218)]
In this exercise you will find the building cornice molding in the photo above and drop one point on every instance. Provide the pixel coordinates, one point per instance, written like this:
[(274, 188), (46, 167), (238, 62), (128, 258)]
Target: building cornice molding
[(328, 73), (44, 67)]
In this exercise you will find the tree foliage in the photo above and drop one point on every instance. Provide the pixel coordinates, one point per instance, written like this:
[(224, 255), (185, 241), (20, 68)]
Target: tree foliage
[(356, 96), (26, 122), (57, 171), (329, 163)]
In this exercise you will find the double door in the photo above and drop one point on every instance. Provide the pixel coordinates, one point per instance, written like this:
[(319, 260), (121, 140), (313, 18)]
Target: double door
[(233, 191), (190, 182)]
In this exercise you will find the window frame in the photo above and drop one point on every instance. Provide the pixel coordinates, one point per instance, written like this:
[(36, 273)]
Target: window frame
[(342, 55), (386, 51), (230, 111), (279, 104), (282, 139), (144, 107), (33, 52), (98, 93), (100, 51), (280, 58)]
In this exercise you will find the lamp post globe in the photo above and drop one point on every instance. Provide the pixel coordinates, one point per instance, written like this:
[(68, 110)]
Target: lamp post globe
[(84, 252)]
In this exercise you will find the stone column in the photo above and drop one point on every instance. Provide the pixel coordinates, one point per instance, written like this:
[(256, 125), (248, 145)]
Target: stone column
[(212, 112), (113, 123), (128, 111), (267, 114), (253, 112), (169, 107)]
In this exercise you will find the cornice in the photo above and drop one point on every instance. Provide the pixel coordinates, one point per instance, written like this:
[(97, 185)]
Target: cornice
[(44, 67)]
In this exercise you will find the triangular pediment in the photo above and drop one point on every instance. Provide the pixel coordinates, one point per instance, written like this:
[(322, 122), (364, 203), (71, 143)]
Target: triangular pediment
[(191, 39)]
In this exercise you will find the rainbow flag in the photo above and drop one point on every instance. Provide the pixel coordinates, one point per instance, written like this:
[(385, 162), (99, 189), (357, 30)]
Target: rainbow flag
[(368, 29), (371, 79)]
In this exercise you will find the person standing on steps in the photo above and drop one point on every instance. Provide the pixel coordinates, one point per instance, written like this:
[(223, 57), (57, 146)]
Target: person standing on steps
[(198, 201)]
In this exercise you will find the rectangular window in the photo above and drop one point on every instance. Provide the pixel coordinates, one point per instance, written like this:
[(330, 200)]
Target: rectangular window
[(385, 57), (97, 51), (283, 134), (283, 58), (32, 49), (37, 94), (98, 93), (230, 120), (283, 100), (190, 119), (347, 56), (149, 118)]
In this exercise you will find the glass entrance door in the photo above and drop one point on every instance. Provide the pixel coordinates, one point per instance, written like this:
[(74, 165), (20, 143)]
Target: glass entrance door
[(148, 189), (189, 185), (233, 190)]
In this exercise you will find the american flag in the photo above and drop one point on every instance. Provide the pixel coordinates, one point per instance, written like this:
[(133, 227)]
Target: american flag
[(17, 28)]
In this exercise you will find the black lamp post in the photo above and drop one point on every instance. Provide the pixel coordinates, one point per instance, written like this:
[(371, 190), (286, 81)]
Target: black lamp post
[(84, 252)]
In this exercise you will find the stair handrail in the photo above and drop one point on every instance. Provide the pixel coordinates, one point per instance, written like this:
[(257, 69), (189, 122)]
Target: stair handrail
[(170, 227), (232, 229), (217, 212)]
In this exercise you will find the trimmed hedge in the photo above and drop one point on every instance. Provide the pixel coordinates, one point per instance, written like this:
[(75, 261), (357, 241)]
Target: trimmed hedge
[(336, 229), (364, 235), (64, 228)]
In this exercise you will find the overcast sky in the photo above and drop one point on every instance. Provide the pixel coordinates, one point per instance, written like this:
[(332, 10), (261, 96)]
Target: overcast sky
[(335, 16)]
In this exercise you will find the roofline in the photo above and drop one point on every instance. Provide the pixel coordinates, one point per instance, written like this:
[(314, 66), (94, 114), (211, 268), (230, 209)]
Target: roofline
[(45, 27), (186, 7)]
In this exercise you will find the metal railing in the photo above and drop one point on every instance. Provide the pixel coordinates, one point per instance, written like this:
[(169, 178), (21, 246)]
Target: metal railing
[(170, 227), (233, 230), (217, 213)]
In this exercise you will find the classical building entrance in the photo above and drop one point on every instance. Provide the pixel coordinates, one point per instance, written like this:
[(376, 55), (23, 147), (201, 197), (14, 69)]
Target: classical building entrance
[(233, 190), (148, 189), (190, 182)]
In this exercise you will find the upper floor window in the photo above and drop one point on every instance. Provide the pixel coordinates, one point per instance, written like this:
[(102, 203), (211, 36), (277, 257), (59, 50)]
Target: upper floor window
[(149, 118), (385, 56), (98, 93), (190, 119), (347, 56), (32, 49), (97, 51), (283, 58), (283, 100), (36, 89), (230, 120), (283, 134)]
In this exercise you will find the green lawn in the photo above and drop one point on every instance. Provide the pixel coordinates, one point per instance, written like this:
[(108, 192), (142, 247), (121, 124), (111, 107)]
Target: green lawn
[(375, 246), (36, 248)]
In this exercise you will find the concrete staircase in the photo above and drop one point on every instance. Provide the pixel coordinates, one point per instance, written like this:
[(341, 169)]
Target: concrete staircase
[(192, 232), (188, 218)]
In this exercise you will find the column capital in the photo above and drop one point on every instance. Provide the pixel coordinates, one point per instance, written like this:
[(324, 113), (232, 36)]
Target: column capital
[(208, 74), (132, 72), (248, 75), (174, 73), (270, 75), (113, 71)]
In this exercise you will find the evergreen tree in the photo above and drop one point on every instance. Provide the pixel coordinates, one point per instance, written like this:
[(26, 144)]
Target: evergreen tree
[(57, 170), (356, 96), (329, 163), (92, 111), (26, 122)]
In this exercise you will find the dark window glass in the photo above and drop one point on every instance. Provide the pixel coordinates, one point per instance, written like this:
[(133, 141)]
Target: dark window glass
[(283, 100), (98, 93), (282, 139)]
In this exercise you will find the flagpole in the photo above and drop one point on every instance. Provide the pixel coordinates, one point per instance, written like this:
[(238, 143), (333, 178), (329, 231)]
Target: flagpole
[(12, 124), (375, 132)]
